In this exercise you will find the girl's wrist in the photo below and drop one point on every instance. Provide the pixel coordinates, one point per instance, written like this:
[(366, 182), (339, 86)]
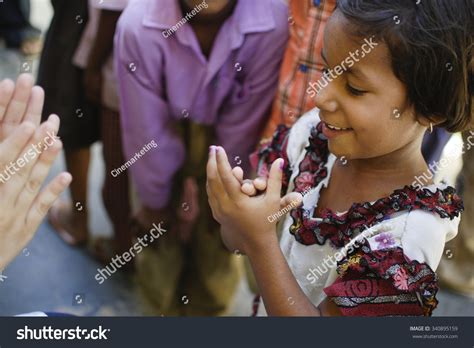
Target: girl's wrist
[(269, 242)]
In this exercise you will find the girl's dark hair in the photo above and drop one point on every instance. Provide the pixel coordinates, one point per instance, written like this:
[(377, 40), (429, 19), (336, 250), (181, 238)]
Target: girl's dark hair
[(432, 48)]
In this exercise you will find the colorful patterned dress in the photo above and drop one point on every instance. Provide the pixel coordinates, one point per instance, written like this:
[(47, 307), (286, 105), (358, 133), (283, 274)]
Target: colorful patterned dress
[(376, 259)]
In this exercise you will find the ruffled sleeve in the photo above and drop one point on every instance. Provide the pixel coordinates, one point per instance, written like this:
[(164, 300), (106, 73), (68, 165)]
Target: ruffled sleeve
[(383, 283), (287, 143), (392, 274), (262, 159)]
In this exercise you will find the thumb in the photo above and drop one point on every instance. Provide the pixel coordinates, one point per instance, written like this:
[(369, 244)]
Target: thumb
[(274, 178)]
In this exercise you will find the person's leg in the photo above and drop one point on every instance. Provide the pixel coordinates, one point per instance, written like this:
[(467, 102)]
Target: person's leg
[(213, 273), (70, 219), (115, 192), (12, 20), (77, 162)]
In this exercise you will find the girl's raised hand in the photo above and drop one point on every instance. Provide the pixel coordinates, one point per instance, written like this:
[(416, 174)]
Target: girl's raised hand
[(257, 186), (246, 217), (27, 153)]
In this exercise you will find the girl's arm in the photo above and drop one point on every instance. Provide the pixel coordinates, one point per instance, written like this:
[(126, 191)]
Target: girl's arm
[(253, 234), (279, 289)]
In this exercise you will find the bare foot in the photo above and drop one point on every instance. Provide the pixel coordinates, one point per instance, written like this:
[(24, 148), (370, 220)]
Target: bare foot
[(70, 225), (31, 47)]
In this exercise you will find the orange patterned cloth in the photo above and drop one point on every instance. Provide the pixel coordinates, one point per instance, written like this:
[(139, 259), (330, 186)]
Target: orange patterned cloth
[(302, 62)]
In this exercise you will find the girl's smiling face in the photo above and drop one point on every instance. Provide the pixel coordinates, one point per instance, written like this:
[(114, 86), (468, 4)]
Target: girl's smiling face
[(367, 100)]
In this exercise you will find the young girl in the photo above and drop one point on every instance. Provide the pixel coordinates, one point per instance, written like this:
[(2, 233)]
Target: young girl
[(377, 256)]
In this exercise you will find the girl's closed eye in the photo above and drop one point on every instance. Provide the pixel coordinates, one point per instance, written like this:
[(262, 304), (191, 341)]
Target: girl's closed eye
[(354, 91)]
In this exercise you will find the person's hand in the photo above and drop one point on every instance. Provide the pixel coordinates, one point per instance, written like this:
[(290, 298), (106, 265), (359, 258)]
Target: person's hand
[(246, 218), (93, 85), (25, 160), (249, 187), (259, 185)]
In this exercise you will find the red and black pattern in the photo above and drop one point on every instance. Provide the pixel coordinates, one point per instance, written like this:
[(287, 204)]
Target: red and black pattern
[(382, 283), (340, 229), (262, 159), (370, 283)]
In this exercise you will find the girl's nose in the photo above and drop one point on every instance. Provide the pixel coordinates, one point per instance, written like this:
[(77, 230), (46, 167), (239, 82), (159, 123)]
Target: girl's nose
[(326, 98)]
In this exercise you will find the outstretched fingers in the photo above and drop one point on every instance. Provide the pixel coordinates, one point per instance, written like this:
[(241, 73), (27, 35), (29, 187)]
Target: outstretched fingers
[(7, 87), (275, 178), (230, 183), (45, 200), (19, 102)]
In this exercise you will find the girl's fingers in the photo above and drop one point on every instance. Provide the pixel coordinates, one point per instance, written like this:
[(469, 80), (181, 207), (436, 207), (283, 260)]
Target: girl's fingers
[(214, 187), (260, 183), (38, 176), (229, 182), (12, 146), (238, 173), (45, 200), (7, 87), (35, 106), (248, 188), (18, 104), (293, 199), (274, 179)]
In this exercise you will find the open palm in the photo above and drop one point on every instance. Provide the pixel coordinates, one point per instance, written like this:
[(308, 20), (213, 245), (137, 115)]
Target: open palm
[(22, 204)]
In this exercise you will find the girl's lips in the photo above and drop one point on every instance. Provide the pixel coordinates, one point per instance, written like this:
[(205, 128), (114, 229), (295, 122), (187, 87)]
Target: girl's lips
[(331, 133)]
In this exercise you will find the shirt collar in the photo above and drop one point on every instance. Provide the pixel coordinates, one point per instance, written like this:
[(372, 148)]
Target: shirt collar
[(249, 16)]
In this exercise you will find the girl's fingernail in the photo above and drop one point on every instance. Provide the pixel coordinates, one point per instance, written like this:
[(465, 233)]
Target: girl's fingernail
[(217, 149)]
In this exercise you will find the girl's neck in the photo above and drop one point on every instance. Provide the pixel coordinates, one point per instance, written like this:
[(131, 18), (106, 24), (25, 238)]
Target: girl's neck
[(399, 167)]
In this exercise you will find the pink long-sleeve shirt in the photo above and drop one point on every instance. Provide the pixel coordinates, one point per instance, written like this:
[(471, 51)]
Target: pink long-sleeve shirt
[(164, 78)]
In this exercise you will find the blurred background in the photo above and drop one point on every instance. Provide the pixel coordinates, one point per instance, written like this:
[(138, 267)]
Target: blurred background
[(52, 276)]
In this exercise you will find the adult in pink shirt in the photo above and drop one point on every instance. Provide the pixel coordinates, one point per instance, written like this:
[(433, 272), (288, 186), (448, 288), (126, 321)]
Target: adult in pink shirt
[(189, 71)]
